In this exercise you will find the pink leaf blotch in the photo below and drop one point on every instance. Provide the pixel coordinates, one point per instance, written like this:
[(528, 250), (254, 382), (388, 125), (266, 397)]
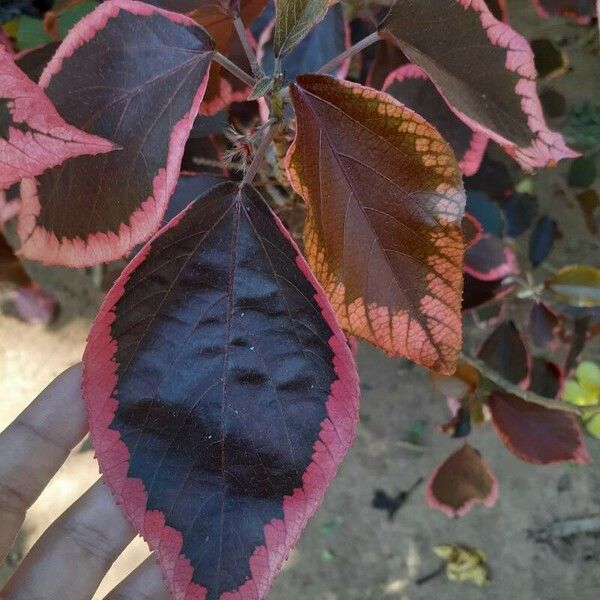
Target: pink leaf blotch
[(33, 136), (536, 434), (460, 482)]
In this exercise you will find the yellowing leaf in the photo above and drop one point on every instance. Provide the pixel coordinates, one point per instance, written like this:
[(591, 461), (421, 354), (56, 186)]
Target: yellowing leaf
[(463, 563), (577, 285)]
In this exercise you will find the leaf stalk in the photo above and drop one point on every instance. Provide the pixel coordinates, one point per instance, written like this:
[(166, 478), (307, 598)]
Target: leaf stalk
[(350, 52), (234, 69)]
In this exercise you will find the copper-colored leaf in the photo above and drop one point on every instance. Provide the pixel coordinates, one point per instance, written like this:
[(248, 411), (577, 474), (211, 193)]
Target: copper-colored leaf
[(484, 69), (383, 228), (536, 434), (461, 481)]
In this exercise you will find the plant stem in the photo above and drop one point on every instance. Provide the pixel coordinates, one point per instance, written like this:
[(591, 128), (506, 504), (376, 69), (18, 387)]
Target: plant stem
[(528, 396), (234, 69), (364, 43), (257, 159), (241, 31)]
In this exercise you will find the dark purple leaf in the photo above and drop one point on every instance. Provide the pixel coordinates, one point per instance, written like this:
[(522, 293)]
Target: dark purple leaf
[(504, 351), (478, 293), (580, 10), (544, 326), (493, 180), (542, 239), (489, 259), (135, 75), (488, 213), (483, 68), (536, 434), (33, 62), (546, 378), (222, 395), (519, 212)]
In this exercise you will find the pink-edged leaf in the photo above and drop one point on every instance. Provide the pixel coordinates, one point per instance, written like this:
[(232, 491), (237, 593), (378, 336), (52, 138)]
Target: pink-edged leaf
[(410, 85), (33, 61), (460, 482), (489, 259), (472, 230), (222, 395), (582, 11), (133, 74), (392, 264), (33, 136), (547, 378), (483, 68), (478, 293), (536, 434), (544, 326), (505, 352)]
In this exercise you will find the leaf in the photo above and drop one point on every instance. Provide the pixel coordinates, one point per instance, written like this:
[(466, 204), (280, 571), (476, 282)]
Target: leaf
[(498, 9), (464, 563), (504, 351), (487, 212), (546, 378), (544, 326), (519, 212), (33, 62), (541, 241), (463, 382), (536, 434), (483, 68), (10, 204), (33, 136), (410, 86), (383, 226), (461, 481), (223, 88), (472, 230), (550, 61), (582, 172), (576, 285), (388, 57), (293, 20), (328, 39), (222, 395), (154, 67), (553, 103), (493, 179), (489, 259), (11, 269), (478, 293), (581, 11)]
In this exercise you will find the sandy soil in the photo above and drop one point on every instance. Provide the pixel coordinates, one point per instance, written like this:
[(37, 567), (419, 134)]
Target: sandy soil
[(350, 550)]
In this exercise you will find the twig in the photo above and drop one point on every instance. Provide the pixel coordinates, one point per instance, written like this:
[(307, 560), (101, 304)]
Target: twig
[(340, 58), (257, 159), (234, 69), (528, 396), (241, 31)]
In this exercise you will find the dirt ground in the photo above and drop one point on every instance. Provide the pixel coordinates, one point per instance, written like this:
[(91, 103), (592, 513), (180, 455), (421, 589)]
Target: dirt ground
[(350, 551)]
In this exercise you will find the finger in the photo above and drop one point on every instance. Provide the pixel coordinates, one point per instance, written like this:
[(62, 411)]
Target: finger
[(144, 583), (72, 557), (34, 446)]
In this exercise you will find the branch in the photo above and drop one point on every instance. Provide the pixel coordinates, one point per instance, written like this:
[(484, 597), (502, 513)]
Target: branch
[(234, 69), (528, 396), (257, 159), (358, 47), (241, 31)]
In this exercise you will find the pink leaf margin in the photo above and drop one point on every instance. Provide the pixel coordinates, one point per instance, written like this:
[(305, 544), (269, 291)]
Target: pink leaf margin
[(470, 162), (489, 501), (42, 245), (510, 265), (548, 147), (335, 437), (51, 140)]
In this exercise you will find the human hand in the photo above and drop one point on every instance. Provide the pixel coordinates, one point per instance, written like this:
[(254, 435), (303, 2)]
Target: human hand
[(71, 558)]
